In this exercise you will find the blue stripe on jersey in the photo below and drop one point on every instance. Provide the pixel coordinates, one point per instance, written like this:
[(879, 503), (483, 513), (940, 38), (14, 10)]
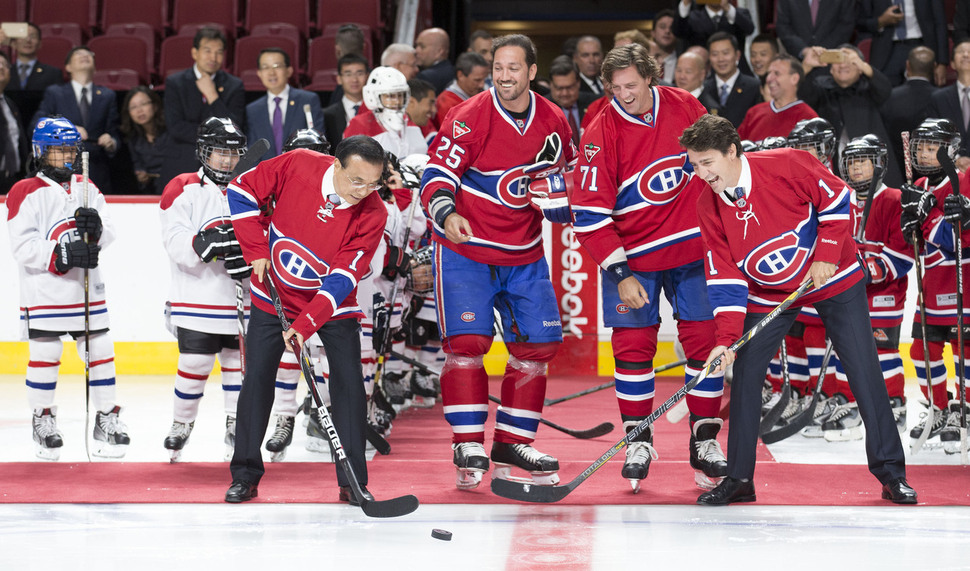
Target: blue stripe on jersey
[(586, 218), (202, 315), (661, 244), (839, 208), (521, 423), (240, 203), (727, 295), (36, 316)]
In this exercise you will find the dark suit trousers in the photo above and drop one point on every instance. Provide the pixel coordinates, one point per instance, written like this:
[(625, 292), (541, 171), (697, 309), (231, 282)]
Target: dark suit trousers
[(264, 347), (846, 319)]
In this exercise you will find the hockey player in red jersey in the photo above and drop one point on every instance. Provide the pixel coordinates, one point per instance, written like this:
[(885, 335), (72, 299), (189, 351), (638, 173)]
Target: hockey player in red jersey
[(635, 208), (48, 217), (777, 117), (772, 221), (495, 164), (205, 262)]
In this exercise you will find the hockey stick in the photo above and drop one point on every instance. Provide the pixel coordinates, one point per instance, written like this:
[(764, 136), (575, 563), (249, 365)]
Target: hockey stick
[(612, 383), (801, 420), (308, 115), (528, 492), (394, 507), (254, 154), (951, 173), (241, 325), (87, 319), (771, 418), (594, 432)]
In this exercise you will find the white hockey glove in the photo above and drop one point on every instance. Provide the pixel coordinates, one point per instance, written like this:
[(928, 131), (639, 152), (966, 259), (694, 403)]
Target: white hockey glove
[(548, 195)]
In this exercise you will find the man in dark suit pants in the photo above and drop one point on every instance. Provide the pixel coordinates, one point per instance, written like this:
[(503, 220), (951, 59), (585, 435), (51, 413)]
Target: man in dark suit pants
[(351, 75), (696, 24), (282, 111), (13, 142), (92, 108), (910, 102), (832, 25), (948, 102), (565, 93), (895, 32), (29, 77), (195, 94), (734, 91)]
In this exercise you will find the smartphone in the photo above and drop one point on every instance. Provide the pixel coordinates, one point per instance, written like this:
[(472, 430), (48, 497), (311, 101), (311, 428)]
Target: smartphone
[(14, 29), (831, 56), (710, 2)]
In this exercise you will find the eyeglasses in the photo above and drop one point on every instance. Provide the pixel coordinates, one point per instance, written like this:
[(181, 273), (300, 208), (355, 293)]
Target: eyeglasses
[(357, 183), (274, 66)]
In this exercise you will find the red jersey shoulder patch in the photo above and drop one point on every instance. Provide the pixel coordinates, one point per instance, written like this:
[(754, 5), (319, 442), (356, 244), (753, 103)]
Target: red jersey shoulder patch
[(460, 129), (590, 150)]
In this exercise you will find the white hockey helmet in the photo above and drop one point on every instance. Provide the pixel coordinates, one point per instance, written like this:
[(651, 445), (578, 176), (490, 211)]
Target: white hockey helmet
[(386, 93)]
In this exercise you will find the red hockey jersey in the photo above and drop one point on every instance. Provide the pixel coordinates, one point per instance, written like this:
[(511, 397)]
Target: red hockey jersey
[(884, 240), (939, 259), (766, 120)]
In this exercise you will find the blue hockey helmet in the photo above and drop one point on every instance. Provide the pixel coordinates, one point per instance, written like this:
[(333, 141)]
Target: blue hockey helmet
[(56, 132)]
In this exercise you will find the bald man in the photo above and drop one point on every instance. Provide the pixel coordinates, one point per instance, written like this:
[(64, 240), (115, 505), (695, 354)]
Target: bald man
[(589, 59), (431, 50)]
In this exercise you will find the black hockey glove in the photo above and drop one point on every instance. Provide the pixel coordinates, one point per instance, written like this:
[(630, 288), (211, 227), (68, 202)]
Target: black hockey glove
[(398, 263), (75, 255), (917, 201), (87, 220), (956, 208), (911, 224), (217, 242), (237, 267)]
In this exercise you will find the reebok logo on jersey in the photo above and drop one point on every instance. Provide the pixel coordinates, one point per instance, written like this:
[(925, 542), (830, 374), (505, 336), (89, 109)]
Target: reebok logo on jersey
[(590, 150), (460, 129)]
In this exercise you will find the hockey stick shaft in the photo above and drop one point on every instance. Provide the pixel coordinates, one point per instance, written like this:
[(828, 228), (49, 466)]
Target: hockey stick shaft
[(873, 185), (241, 325), (87, 315), (801, 420), (784, 398), (388, 508), (308, 114), (612, 383), (252, 157), (544, 494)]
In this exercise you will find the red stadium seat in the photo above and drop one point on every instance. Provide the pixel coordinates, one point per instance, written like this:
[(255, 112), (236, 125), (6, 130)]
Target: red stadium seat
[(13, 11), (864, 46), (222, 12), (323, 80), (251, 81), (151, 12), (81, 12), (53, 50), (367, 12), (67, 30), (248, 48), (296, 12), (283, 30), (124, 52), (140, 30), (175, 55), (117, 79)]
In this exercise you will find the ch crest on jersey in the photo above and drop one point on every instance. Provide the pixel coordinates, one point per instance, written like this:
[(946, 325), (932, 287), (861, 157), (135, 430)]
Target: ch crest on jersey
[(512, 188), (662, 181), (64, 231), (459, 129), (297, 266), (780, 259), (590, 151)]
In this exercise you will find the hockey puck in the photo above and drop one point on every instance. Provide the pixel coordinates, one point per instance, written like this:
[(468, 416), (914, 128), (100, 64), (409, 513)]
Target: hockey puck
[(442, 534)]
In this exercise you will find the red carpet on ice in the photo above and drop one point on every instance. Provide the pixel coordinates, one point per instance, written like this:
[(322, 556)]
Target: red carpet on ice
[(420, 464)]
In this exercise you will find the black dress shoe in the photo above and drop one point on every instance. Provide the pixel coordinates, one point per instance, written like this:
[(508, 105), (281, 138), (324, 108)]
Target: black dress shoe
[(241, 491), (347, 495), (899, 492), (729, 491)]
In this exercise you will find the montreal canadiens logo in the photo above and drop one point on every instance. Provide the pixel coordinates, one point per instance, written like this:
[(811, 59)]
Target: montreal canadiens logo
[(663, 180), (212, 223), (468, 316), (63, 232), (622, 308), (297, 266), (513, 188), (778, 260)]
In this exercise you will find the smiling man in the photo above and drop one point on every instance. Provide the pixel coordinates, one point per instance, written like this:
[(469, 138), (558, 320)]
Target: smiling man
[(770, 222), (776, 118)]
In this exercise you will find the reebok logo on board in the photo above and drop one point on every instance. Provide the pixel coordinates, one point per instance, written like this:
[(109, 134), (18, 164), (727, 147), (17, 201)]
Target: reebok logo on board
[(460, 129)]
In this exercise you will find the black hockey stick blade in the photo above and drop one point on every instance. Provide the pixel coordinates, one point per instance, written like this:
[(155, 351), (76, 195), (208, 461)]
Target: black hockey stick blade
[(784, 397), (595, 432), (801, 420), (253, 155), (528, 492), (376, 440)]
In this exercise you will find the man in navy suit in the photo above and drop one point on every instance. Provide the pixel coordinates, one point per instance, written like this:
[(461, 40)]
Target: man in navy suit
[(29, 77), (895, 30), (195, 94), (948, 102), (833, 24), (696, 24), (352, 73), (92, 108), (282, 110), (734, 91)]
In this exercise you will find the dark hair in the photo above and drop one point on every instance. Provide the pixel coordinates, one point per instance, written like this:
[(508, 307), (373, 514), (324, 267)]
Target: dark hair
[(350, 59), (129, 128), (665, 13), (281, 51), (720, 36), (921, 61), (519, 40), (711, 132), (208, 33), (767, 38), (74, 50), (562, 65), (467, 61), (854, 48), (350, 38), (630, 55), (36, 27), (479, 34), (420, 89), (794, 65), (369, 150)]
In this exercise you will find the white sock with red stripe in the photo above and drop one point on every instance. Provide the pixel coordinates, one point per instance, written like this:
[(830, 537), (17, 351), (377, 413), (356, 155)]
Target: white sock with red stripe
[(190, 381), (101, 370), (45, 360), (231, 369)]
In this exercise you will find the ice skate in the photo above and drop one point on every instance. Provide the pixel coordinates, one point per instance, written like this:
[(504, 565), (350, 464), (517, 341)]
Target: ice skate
[(177, 437), (380, 413), (470, 462), (282, 437), (48, 440), (950, 434), (230, 438), (423, 392), (768, 398), (844, 424), (898, 405), (110, 438), (541, 467), (937, 418), (395, 388), (639, 454), (706, 457), (316, 437), (823, 410)]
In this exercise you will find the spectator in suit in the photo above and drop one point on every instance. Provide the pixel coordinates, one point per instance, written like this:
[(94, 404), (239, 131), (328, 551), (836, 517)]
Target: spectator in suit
[(143, 125), (431, 48), (909, 104), (352, 73), (696, 24), (690, 74), (471, 70), (281, 111), (349, 40), (663, 35), (422, 107), (895, 30), (401, 57), (28, 76), (588, 58), (831, 25), (13, 142), (565, 93), (92, 108), (778, 116), (195, 94), (950, 101), (848, 95), (480, 42), (764, 47), (734, 91)]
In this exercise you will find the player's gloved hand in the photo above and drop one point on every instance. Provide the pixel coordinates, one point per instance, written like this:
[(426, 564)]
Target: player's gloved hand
[(216, 242), (549, 160), (397, 263), (910, 224), (956, 208), (872, 255), (917, 201), (75, 255), (87, 220), (237, 267), (548, 195)]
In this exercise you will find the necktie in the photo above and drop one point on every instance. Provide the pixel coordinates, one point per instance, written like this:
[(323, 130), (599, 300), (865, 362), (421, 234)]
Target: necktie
[(573, 125), (356, 109), (278, 126), (815, 4), (724, 94), (24, 68), (901, 26), (717, 20), (965, 105), (84, 106)]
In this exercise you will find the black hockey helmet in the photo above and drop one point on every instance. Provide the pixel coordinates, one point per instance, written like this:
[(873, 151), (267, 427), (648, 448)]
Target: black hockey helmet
[(748, 146), (860, 149), (814, 134), (772, 143), (221, 136), (56, 132), (941, 132), (307, 139)]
